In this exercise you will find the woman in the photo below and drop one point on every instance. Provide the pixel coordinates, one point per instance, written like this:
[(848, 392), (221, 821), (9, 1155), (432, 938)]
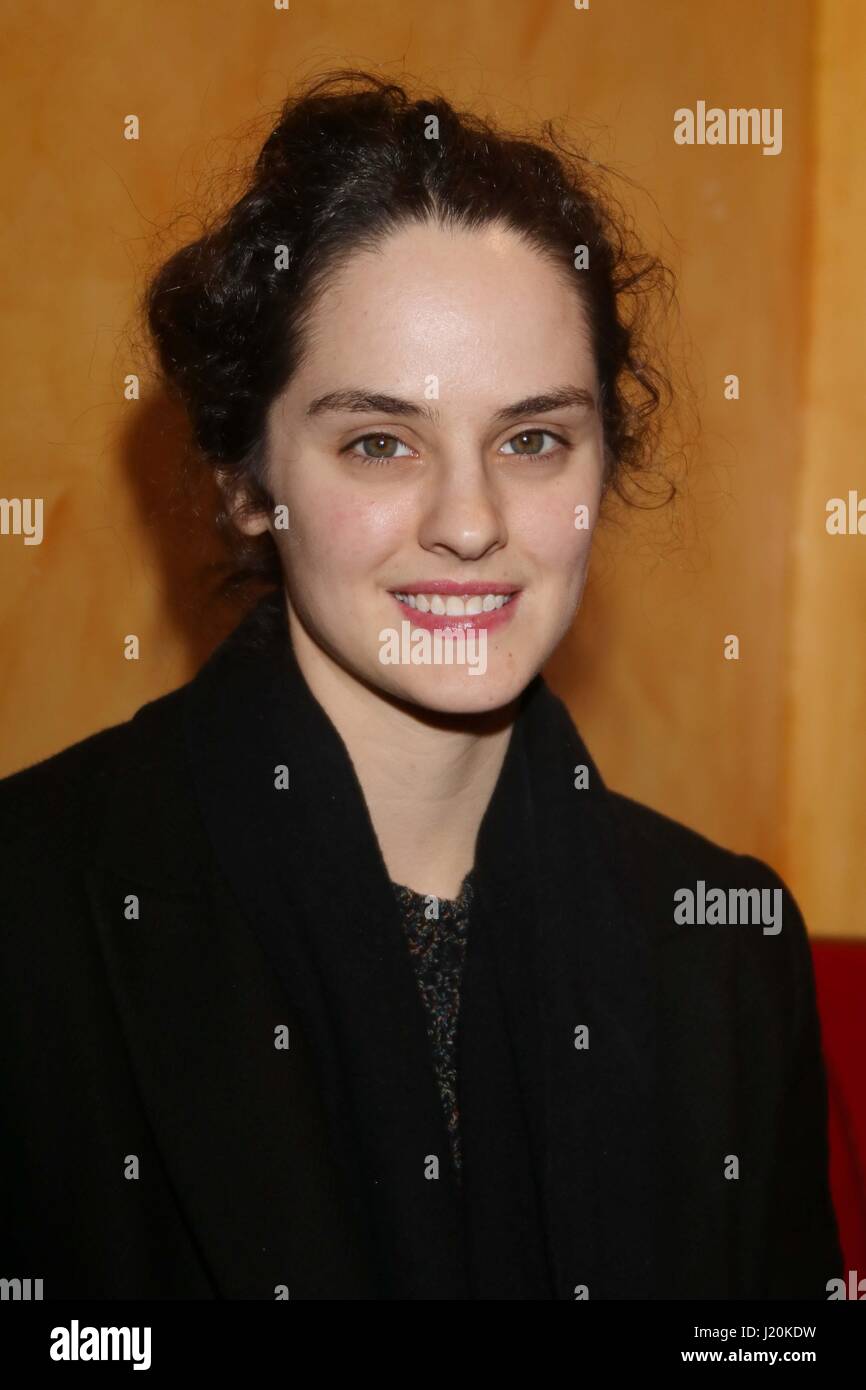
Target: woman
[(338, 972)]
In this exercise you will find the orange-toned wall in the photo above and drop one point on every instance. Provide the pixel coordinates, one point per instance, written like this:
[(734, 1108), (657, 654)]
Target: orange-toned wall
[(766, 754)]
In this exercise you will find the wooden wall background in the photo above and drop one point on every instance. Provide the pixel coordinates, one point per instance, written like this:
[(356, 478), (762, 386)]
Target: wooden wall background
[(767, 754)]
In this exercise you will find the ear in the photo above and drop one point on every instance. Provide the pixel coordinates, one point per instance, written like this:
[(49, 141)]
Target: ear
[(247, 516)]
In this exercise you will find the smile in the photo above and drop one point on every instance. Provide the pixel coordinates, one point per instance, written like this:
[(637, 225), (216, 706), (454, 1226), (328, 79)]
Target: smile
[(487, 610), (455, 605)]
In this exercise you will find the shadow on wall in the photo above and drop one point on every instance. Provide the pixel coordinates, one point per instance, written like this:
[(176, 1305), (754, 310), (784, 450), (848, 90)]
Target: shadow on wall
[(177, 500)]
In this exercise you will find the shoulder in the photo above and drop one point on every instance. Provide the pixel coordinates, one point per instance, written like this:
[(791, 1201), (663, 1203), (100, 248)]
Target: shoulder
[(666, 849), (725, 918), (52, 809), (731, 909)]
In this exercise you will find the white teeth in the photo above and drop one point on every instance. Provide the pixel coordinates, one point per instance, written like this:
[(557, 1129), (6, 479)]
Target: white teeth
[(452, 605)]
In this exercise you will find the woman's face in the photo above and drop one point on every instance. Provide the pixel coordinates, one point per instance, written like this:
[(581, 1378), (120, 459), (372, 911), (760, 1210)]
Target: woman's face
[(441, 441)]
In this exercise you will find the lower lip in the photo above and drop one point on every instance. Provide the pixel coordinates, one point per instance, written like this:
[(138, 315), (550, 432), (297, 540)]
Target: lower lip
[(469, 622)]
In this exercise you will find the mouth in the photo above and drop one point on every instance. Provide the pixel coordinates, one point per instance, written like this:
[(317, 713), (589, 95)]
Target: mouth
[(472, 608)]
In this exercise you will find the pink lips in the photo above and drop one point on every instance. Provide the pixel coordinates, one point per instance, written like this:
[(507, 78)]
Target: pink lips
[(496, 618)]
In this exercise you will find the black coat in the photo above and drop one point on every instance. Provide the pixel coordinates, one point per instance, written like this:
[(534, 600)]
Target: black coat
[(173, 915)]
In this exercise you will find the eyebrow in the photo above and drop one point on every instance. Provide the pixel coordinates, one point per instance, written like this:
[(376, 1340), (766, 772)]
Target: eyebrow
[(362, 401)]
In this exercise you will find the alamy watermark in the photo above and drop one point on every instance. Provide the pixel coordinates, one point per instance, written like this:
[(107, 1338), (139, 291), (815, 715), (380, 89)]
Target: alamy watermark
[(733, 907), (75, 1343), (22, 516), (440, 647), (20, 1290), (738, 125)]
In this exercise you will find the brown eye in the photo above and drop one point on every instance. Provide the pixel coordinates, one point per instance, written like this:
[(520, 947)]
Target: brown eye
[(529, 443), (382, 447)]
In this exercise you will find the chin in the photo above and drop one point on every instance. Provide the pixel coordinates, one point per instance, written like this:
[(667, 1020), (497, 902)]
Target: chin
[(449, 690)]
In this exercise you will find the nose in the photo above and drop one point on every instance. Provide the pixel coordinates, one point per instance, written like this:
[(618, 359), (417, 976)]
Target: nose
[(462, 515)]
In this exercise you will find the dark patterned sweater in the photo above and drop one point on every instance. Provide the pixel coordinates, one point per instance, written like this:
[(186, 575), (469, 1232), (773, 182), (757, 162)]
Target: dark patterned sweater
[(437, 946)]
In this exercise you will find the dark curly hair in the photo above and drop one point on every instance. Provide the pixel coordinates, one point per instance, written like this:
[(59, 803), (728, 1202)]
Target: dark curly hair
[(348, 161)]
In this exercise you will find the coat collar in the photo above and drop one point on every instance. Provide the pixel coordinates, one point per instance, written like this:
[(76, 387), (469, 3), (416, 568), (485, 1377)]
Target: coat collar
[(207, 837)]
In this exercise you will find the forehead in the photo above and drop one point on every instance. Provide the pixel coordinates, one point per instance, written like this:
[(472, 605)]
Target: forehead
[(481, 311)]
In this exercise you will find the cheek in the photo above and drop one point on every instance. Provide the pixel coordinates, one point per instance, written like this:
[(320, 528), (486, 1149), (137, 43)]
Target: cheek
[(337, 536), (557, 532), (566, 561)]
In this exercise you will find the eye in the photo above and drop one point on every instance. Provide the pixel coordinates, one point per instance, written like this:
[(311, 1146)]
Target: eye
[(531, 438), (383, 448)]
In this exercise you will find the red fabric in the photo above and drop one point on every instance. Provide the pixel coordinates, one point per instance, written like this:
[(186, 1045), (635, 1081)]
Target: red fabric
[(840, 981)]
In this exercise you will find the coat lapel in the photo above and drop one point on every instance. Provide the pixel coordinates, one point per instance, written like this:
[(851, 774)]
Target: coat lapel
[(239, 1124), (595, 969), (500, 1058)]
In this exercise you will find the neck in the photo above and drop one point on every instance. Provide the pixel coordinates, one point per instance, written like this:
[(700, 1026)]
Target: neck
[(427, 778)]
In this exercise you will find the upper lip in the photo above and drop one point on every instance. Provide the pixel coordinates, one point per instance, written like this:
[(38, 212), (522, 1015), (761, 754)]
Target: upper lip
[(453, 586)]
